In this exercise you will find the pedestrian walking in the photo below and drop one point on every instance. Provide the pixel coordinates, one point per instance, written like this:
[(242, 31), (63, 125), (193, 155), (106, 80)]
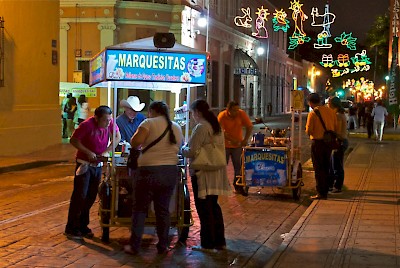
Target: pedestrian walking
[(92, 139), (232, 121), (352, 121), (336, 171), (207, 184), (361, 113), (156, 176), (369, 119), (379, 113), (320, 152)]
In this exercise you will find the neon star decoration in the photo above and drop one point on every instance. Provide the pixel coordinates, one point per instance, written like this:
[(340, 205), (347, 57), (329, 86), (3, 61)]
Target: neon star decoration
[(299, 36), (279, 21), (347, 40), (243, 21), (327, 19), (261, 30)]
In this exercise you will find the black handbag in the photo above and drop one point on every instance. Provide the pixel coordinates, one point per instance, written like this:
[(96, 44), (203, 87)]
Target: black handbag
[(134, 154), (330, 137)]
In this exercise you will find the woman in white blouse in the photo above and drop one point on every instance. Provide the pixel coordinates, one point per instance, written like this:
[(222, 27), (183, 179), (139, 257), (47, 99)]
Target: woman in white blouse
[(207, 185)]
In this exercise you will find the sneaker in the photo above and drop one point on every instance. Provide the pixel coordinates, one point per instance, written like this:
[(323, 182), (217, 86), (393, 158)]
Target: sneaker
[(76, 235), (336, 191)]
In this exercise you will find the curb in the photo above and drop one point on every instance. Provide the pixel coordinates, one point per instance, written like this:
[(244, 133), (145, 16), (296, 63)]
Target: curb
[(29, 165)]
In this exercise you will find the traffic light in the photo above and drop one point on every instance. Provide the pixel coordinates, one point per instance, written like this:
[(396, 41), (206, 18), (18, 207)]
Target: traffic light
[(208, 62)]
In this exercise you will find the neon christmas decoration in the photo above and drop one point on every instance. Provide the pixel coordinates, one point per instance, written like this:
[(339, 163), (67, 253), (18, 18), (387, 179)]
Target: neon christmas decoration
[(327, 61), (343, 60), (327, 19), (360, 61), (280, 22), (261, 30), (243, 21), (347, 40), (299, 36)]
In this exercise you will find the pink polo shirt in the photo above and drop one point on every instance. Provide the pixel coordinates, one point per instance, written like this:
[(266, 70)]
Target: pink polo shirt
[(92, 137)]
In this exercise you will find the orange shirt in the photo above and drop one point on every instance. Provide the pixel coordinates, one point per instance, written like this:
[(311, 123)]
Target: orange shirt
[(234, 126), (314, 127)]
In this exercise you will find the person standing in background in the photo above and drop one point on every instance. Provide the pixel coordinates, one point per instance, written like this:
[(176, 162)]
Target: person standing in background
[(70, 109), (82, 111), (369, 119), (320, 152), (129, 121), (336, 174), (379, 113), (64, 115), (232, 121)]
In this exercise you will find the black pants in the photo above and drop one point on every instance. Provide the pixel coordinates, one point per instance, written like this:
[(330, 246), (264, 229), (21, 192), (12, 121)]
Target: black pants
[(212, 230), (320, 156), (336, 172)]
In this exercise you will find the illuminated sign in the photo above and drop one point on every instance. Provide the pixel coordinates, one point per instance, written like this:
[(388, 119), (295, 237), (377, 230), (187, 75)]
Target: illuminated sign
[(279, 21), (243, 21), (261, 30), (327, 19), (347, 40), (265, 167), (153, 66), (97, 68), (299, 36)]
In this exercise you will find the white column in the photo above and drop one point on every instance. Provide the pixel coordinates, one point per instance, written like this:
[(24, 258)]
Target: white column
[(64, 27), (106, 34)]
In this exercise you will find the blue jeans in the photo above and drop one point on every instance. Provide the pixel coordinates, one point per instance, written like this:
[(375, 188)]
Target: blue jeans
[(236, 156), (82, 199), (157, 184)]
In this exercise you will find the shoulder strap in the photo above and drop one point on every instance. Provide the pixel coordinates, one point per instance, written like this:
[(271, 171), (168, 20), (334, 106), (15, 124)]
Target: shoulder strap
[(320, 118), (155, 141)]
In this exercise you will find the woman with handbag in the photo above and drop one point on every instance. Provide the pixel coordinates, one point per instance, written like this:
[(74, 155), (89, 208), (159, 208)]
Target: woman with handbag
[(208, 183), (156, 176), (336, 172)]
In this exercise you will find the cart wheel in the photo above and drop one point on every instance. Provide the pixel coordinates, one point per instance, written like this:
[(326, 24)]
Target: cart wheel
[(183, 232), (297, 191), (105, 236)]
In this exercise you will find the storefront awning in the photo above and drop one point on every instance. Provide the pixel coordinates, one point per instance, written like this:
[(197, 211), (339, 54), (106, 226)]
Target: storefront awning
[(244, 64)]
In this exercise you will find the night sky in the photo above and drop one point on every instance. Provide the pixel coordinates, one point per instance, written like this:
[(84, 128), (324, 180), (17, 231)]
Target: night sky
[(355, 16)]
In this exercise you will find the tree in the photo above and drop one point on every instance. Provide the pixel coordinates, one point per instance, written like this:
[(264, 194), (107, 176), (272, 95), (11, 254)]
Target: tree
[(378, 43)]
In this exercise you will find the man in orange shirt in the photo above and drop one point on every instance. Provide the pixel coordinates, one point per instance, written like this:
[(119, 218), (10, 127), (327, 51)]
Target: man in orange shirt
[(232, 121), (320, 152)]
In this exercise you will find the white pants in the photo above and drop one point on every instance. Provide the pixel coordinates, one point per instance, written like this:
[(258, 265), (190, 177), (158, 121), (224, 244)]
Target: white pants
[(378, 128)]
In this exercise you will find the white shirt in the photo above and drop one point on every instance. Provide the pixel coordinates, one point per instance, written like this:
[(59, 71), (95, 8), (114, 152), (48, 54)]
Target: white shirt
[(162, 153), (379, 113)]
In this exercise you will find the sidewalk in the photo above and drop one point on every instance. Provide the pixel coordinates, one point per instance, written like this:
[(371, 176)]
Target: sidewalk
[(357, 228)]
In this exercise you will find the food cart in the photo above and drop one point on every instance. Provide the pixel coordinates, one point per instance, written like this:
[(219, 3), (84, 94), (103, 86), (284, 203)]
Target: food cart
[(275, 162), (141, 65)]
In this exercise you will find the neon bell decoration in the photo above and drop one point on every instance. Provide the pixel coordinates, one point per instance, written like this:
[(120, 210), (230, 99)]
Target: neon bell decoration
[(327, 19), (279, 21), (261, 31), (299, 36)]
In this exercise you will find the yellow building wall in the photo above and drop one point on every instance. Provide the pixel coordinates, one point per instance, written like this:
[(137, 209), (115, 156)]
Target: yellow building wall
[(30, 116)]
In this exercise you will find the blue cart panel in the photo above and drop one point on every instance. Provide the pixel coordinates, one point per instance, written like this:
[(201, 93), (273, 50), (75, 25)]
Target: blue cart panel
[(265, 166)]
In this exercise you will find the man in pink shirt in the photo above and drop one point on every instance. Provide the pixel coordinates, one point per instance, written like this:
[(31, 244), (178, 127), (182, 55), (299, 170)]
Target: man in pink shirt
[(91, 139)]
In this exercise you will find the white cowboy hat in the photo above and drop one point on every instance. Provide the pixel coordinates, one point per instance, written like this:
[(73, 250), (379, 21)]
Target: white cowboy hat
[(132, 102)]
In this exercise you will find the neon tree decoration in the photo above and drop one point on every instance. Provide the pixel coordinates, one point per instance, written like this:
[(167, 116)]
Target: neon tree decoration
[(243, 21), (299, 36), (347, 40), (279, 21), (328, 19), (261, 31)]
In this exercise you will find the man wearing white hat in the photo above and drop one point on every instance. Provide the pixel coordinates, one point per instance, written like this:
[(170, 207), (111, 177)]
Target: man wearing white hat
[(129, 121)]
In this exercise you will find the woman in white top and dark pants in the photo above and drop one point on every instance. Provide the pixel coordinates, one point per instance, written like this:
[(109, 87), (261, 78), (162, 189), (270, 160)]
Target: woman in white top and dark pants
[(156, 176), (207, 185), (379, 113)]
